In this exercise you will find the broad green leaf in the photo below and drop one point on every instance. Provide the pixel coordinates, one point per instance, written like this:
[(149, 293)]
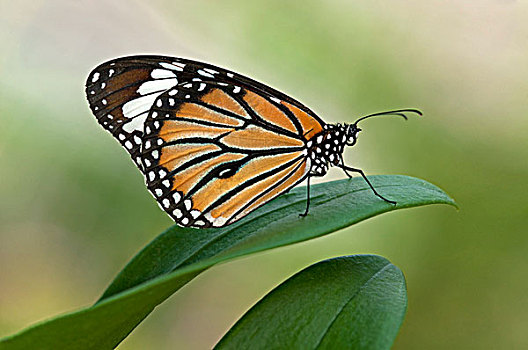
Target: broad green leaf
[(352, 302), (179, 254)]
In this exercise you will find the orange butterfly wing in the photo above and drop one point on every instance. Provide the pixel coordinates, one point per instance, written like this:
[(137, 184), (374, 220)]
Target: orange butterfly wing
[(215, 152)]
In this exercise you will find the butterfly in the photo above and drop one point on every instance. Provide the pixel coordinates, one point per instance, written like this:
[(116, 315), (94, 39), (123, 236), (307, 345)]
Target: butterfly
[(212, 144)]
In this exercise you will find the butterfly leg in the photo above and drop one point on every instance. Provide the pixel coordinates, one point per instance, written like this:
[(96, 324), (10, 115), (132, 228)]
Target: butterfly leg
[(307, 199), (342, 166), (345, 168)]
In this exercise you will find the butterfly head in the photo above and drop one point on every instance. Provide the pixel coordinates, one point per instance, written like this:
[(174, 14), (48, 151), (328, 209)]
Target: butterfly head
[(351, 132)]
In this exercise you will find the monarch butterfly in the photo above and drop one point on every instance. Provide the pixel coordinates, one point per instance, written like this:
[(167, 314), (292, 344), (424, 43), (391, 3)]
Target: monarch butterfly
[(212, 144)]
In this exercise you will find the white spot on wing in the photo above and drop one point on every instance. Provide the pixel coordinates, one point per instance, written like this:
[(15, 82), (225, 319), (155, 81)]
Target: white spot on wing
[(135, 124), (176, 196), (179, 64), (171, 66), (162, 73), (139, 105), (205, 74), (95, 77), (212, 71), (151, 86)]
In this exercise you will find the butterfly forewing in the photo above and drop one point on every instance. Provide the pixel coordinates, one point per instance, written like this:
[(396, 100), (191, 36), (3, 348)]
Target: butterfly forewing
[(212, 144), (121, 93)]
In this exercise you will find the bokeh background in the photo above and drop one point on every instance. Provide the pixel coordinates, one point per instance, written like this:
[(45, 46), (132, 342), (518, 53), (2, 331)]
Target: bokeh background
[(74, 210)]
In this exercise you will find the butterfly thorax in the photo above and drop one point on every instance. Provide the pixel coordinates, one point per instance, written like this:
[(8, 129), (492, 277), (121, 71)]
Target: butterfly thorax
[(325, 149)]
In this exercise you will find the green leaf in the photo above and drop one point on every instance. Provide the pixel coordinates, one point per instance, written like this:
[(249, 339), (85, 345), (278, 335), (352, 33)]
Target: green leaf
[(353, 302), (179, 254)]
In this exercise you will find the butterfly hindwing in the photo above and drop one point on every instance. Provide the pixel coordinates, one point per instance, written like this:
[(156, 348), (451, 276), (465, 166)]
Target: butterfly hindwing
[(209, 157)]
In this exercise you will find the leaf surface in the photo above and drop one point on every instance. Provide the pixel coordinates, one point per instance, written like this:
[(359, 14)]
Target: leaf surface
[(352, 302), (179, 254)]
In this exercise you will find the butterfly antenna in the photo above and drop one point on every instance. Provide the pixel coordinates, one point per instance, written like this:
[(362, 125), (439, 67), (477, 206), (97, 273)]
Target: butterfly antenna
[(396, 112)]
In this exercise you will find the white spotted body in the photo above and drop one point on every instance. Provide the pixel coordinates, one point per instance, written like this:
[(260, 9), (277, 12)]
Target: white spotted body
[(326, 148)]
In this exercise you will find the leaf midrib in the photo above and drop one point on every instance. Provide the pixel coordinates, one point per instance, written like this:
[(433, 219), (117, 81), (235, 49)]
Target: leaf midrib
[(363, 286)]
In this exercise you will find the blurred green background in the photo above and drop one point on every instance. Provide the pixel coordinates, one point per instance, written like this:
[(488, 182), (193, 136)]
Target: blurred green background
[(74, 210)]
